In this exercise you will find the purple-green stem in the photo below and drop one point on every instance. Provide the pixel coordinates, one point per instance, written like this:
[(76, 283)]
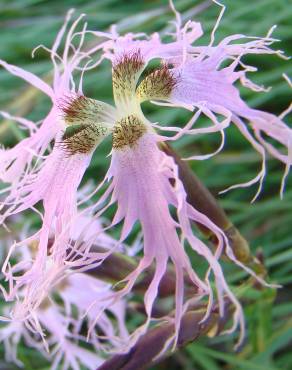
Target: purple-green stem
[(145, 352)]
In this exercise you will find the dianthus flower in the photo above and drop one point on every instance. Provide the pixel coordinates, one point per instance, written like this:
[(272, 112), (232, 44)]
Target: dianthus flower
[(50, 316), (143, 180), (56, 332)]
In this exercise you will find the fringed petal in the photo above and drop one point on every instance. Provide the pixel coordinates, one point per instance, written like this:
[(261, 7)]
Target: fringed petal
[(141, 178), (201, 82)]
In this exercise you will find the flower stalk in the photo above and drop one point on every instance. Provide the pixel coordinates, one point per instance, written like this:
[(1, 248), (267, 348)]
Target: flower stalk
[(144, 353)]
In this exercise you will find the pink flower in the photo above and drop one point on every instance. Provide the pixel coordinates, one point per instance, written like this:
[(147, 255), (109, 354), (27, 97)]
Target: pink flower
[(139, 179), (141, 175), (142, 180), (61, 344), (50, 314)]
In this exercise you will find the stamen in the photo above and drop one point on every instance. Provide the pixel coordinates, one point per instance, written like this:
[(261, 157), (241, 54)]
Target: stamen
[(79, 110), (157, 86), (126, 73), (82, 139), (128, 131)]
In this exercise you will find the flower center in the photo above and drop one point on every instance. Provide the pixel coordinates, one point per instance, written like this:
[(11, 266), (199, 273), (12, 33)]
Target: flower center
[(127, 131), (88, 122)]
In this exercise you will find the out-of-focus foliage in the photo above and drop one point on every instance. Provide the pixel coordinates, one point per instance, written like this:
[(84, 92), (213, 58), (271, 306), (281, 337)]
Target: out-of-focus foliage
[(266, 224)]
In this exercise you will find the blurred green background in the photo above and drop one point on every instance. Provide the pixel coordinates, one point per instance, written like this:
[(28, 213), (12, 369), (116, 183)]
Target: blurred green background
[(267, 224)]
